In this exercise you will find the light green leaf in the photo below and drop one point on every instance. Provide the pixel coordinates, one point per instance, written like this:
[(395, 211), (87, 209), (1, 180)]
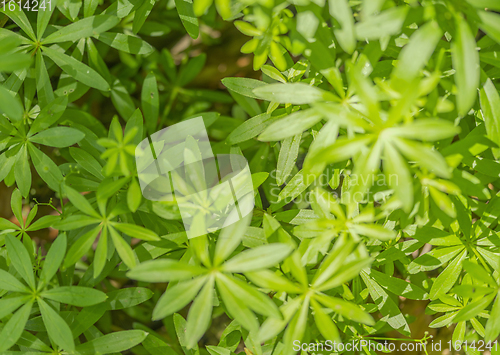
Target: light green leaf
[(258, 258), (417, 52), (387, 23), (445, 281), (291, 125), (136, 231), (466, 64), (164, 270), (243, 86), (177, 297), (341, 11), (294, 93)]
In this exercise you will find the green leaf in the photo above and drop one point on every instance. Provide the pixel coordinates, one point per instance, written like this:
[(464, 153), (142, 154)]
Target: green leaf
[(188, 18), (427, 129), (13, 329), (8, 305), (123, 248), (386, 23), (59, 137), (80, 202), (150, 101), (287, 158), (101, 253), (341, 11), (395, 166), (76, 222), (19, 17), (49, 114), (230, 238), (16, 204), (10, 105), (294, 93), (87, 161), (164, 270), (374, 231), (112, 343), (53, 259), (10, 283), (399, 287), (43, 19), (57, 328), (324, 323), (386, 305), (86, 27), (80, 247), (297, 327), (346, 309), (128, 297), (20, 259), (417, 52), (268, 279), (343, 148), (445, 281), (125, 43), (493, 325), (490, 107), (250, 128), (22, 172), (75, 295), (474, 308), (258, 258), (291, 125), (490, 24), (466, 64), (424, 156), (135, 231), (200, 314), (235, 305), (141, 14), (243, 86), (43, 85), (177, 297), (77, 69), (46, 168)]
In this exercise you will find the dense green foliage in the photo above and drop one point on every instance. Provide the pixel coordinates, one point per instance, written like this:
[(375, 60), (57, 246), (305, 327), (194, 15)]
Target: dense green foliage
[(372, 135)]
